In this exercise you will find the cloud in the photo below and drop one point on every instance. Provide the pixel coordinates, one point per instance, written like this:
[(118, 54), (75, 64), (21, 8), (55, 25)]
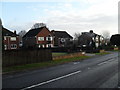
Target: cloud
[(97, 15), (101, 15)]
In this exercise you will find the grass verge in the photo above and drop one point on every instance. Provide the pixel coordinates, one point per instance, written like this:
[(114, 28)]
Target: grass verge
[(41, 65), (103, 53), (58, 54)]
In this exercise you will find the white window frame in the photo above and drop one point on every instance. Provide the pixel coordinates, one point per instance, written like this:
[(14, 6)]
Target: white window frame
[(13, 46), (63, 39), (50, 38), (5, 47), (41, 38), (97, 38), (5, 38), (13, 38)]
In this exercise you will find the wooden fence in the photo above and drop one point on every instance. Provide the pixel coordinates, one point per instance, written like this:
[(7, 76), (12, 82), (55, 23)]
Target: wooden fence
[(21, 57)]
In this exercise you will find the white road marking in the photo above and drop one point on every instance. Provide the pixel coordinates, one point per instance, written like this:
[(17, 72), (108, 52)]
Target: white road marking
[(107, 61), (102, 63), (76, 62), (89, 68), (52, 80)]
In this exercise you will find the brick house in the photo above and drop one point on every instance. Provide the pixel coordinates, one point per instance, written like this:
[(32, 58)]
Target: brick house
[(10, 39), (61, 39), (38, 37)]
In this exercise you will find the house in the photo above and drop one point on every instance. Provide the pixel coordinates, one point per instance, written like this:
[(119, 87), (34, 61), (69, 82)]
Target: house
[(61, 39), (10, 39), (38, 37), (90, 39)]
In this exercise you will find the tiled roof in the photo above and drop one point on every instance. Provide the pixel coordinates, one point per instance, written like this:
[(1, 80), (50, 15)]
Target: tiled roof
[(61, 34), (33, 32), (6, 32)]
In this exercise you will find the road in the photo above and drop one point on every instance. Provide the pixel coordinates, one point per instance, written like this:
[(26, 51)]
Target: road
[(96, 72)]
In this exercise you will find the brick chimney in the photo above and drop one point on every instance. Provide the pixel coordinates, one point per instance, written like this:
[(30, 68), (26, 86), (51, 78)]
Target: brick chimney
[(14, 31)]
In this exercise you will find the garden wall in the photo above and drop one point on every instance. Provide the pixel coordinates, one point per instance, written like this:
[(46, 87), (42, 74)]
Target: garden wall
[(68, 56), (26, 56)]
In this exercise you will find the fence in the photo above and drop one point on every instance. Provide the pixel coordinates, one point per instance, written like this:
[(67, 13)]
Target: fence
[(21, 57)]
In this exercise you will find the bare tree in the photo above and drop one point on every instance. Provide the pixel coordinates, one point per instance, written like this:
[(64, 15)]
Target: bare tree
[(76, 36), (106, 34), (22, 33), (38, 25)]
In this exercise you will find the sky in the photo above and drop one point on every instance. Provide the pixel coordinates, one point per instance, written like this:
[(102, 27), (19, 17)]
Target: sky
[(73, 16)]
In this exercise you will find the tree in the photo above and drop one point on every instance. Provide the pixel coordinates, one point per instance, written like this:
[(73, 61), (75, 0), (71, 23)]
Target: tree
[(115, 39), (106, 34), (38, 25), (76, 36), (22, 33)]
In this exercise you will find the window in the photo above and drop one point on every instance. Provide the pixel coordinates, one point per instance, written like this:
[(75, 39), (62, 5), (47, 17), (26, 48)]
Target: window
[(43, 46), (62, 39), (5, 47), (40, 38), (97, 38), (101, 38), (13, 46), (13, 38), (4, 38), (49, 45), (49, 38), (97, 44)]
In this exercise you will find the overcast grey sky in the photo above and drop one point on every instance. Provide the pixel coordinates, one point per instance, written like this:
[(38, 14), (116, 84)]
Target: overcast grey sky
[(66, 15)]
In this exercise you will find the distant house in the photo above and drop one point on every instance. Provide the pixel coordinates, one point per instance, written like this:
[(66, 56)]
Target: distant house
[(38, 37), (90, 39), (10, 39), (61, 39)]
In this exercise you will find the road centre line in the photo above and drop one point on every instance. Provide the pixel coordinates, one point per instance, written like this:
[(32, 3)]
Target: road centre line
[(76, 62), (52, 80), (110, 60), (102, 63), (89, 68)]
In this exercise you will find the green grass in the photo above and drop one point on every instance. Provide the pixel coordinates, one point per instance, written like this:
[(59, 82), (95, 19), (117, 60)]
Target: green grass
[(41, 65), (58, 54), (103, 53)]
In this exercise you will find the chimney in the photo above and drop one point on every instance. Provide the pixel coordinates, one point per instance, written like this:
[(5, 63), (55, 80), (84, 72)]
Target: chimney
[(91, 31), (52, 30), (14, 31)]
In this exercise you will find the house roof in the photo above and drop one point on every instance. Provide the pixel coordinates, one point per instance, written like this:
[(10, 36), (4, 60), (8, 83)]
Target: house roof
[(6, 32), (33, 32), (90, 34), (61, 34)]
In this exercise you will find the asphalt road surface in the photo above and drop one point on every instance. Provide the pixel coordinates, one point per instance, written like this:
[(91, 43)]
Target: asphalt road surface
[(96, 72)]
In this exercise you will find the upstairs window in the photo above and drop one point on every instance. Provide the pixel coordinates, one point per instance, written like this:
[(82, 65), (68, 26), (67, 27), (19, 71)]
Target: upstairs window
[(13, 39), (49, 38), (4, 38), (40, 38)]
